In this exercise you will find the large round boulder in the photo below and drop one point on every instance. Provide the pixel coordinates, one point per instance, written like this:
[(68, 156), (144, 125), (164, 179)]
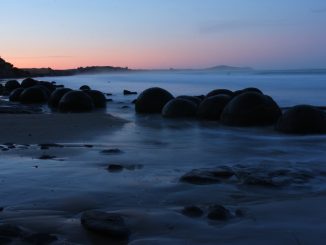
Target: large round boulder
[(152, 100), (251, 109), (28, 82), (98, 98), (56, 96), (219, 92), (50, 86), (211, 108), (246, 90), (302, 119), (11, 85), (33, 95), (177, 108), (194, 99), (76, 101), (15, 94), (85, 87)]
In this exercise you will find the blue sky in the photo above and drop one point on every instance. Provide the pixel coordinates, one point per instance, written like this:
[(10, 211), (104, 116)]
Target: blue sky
[(163, 34)]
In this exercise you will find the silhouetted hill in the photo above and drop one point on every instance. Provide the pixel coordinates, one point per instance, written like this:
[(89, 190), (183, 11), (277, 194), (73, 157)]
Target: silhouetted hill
[(225, 68), (7, 70)]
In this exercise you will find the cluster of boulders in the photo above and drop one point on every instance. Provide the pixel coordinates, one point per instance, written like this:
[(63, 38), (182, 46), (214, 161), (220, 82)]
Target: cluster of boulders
[(31, 91), (242, 108)]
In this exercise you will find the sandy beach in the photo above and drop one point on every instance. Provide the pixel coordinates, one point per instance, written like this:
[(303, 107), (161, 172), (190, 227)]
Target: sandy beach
[(55, 128)]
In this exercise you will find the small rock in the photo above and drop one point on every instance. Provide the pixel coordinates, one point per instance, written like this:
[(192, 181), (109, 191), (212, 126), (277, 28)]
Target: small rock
[(199, 177), (115, 168), (111, 151), (108, 224), (10, 230), (127, 92), (218, 212), (46, 157), (240, 212), (192, 211), (40, 238)]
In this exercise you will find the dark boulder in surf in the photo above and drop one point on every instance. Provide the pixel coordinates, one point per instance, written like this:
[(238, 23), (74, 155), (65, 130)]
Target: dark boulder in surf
[(29, 82), (15, 94), (152, 100), (76, 101), (194, 99), (220, 92), (127, 92), (98, 98), (245, 90), (211, 108), (11, 85), (50, 86), (56, 96), (302, 119), (251, 109), (85, 87), (177, 108), (218, 212), (34, 95)]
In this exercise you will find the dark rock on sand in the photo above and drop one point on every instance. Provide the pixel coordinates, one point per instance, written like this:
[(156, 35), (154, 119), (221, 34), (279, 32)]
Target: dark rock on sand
[(85, 87), (29, 82), (220, 92), (152, 100), (10, 230), (251, 109), (76, 101), (194, 99), (33, 95), (218, 212), (40, 238), (177, 108), (56, 96), (127, 92), (11, 85), (211, 108), (111, 151), (15, 94), (302, 119), (192, 211), (46, 157), (245, 90), (98, 98), (109, 224), (115, 168), (208, 176)]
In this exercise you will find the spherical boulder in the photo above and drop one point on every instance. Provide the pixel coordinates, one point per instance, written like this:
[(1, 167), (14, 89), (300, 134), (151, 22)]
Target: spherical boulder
[(177, 108), (28, 82), (211, 108), (245, 90), (98, 98), (11, 85), (194, 99), (152, 100), (45, 89), (85, 87), (76, 101), (56, 96), (33, 95), (15, 94), (220, 91), (250, 109), (302, 119), (50, 86)]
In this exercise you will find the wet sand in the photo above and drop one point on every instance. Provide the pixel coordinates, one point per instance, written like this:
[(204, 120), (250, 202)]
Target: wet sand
[(49, 128)]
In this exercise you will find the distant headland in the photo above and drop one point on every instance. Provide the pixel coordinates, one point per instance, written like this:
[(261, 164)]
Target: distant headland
[(7, 70)]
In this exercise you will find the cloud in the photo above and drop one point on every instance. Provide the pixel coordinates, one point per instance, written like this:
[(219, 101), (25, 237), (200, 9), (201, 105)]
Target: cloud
[(235, 25)]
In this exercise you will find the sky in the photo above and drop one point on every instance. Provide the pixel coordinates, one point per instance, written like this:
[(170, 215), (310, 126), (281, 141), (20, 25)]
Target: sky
[(263, 34)]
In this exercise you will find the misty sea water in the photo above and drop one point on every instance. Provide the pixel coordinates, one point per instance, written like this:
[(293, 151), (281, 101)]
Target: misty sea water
[(158, 151)]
